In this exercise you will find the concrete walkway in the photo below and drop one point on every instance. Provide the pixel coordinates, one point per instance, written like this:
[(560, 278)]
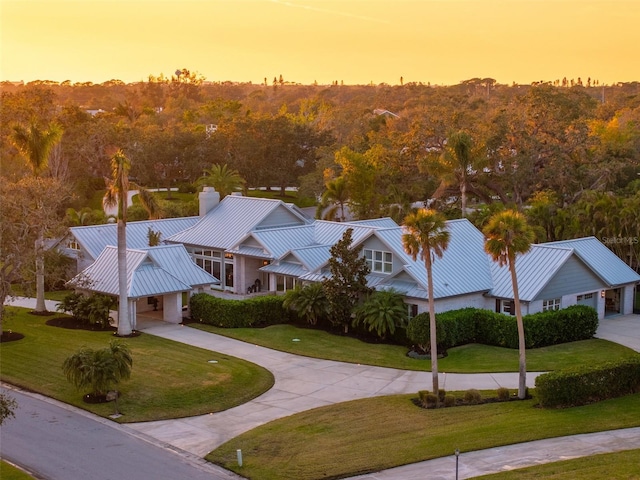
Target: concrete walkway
[(304, 383)]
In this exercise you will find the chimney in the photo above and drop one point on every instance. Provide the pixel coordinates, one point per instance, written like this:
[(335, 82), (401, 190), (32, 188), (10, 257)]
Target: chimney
[(208, 198)]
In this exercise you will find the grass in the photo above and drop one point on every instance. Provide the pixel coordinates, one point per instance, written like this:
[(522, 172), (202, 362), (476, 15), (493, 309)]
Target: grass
[(57, 295), (9, 472), (169, 379), (607, 465), (290, 197), (472, 358), (378, 433)]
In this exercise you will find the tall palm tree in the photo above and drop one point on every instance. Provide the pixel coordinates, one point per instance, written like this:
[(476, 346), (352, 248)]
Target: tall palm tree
[(116, 195), (456, 166), (335, 195), (508, 235), (426, 237), (224, 180), (35, 145)]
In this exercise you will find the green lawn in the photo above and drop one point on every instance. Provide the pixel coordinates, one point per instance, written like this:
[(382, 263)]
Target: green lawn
[(607, 465), (377, 433), (169, 379), (9, 472), (290, 197), (472, 358)]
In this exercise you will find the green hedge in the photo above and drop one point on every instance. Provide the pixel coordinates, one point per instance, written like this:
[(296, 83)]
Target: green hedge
[(253, 312), (473, 325), (582, 385)]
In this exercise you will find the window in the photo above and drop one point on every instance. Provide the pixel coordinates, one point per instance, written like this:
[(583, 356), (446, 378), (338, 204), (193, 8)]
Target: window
[(72, 244), (412, 310), (209, 261), (285, 283), (553, 304), (379, 261)]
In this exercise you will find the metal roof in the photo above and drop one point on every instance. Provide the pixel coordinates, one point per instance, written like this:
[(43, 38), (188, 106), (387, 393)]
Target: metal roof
[(225, 225), (285, 268), (176, 260), (534, 270), (145, 275), (384, 222), (602, 261), (95, 238), (278, 241)]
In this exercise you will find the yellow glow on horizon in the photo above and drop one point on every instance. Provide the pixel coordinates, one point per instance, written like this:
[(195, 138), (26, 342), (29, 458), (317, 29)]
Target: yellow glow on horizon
[(355, 41)]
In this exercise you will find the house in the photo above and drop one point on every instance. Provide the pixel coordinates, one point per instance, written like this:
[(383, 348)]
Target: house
[(159, 277), (256, 246)]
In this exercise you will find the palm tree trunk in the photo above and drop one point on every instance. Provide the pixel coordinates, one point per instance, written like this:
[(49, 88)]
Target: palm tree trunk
[(40, 305), (432, 329), (463, 197), (522, 379), (124, 324)]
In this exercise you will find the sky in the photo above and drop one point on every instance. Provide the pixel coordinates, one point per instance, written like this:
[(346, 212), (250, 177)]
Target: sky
[(441, 42)]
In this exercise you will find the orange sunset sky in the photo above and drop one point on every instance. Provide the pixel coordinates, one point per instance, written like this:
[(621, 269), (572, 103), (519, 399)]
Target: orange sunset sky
[(355, 41)]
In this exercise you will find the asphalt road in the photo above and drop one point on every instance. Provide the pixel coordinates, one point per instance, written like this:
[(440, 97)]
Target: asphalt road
[(56, 442)]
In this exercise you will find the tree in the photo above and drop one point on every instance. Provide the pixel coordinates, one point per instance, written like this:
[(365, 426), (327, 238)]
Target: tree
[(29, 209), (116, 195), (223, 179), (427, 238), (309, 302), (7, 407), (336, 195), (99, 370), (507, 236), (35, 145), (348, 281), (460, 161), (383, 312)]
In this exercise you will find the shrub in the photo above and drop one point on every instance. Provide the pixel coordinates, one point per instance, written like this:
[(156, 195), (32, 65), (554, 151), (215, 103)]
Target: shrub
[(89, 309), (383, 311), (441, 394), (503, 394), (472, 396), (587, 384), (254, 312), (431, 401), (449, 401), (418, 332), (422, 396)]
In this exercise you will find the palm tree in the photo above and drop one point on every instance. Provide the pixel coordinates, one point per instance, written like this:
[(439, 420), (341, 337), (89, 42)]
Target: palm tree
[(507, 236), (116, 194), (383, 311), (100, 369), (309, 302), (456, 165), (335, 195), (224, 180), (35, 145), (427, 238)]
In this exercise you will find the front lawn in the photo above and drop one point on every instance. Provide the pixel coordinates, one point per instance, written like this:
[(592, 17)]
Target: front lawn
[(373, 434), (168, 380), (472, 358), (624, 464)]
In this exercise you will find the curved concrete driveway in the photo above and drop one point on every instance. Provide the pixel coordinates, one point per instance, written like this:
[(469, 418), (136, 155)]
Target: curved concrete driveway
[(301, 384)]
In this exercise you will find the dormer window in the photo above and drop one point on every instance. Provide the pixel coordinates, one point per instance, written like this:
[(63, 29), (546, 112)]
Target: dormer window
[(379, 261), (72, 244)]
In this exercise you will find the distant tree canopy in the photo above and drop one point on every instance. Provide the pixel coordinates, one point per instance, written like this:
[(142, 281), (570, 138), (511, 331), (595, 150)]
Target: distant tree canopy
[(578, 140)]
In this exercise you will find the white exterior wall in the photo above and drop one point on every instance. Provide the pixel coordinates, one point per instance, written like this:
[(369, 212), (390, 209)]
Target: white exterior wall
[(626, 306), (172, 311), (475, 300)]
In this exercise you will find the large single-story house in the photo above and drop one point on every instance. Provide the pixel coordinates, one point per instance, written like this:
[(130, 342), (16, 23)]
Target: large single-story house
[(255, 246)]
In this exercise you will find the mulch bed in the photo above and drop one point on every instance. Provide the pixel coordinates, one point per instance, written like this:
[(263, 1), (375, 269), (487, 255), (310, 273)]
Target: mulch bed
[(9, 336), (73, 323)]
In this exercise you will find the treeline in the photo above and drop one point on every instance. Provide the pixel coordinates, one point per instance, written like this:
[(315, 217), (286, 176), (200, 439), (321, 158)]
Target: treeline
[(568, 155)]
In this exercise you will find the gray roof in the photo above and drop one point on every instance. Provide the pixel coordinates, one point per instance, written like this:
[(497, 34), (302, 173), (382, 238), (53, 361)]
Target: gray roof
[(604, 263), (147, 272), (534, 270), (95, 238), (225, 225)]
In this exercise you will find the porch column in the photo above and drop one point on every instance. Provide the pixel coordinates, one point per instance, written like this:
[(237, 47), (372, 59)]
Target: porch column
[(133, 313), (172, 307)]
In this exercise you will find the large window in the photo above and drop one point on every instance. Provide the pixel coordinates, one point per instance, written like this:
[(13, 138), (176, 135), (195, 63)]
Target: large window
[(285, 283), (553, 304), (210, 261), (379, 261)]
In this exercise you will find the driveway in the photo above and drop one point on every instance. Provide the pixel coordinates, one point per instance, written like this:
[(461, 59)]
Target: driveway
[(622, 329)]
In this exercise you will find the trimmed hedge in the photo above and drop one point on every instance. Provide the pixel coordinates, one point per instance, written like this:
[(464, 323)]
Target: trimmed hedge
[(582, 385), (253, 312), (473, 325)]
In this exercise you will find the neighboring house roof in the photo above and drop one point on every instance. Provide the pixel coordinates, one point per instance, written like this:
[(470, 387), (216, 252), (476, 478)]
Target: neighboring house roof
[(95, 238), (147, 272), (604, 263), (225, 225)]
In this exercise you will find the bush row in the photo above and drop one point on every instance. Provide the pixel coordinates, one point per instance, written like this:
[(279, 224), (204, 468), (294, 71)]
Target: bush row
[(473, 325), (253, 312), (587, 384)]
